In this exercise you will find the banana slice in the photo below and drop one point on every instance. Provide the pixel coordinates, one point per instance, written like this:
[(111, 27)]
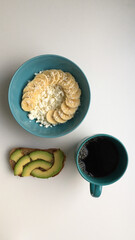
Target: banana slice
[(53, 76), (56, 76), (66, 84), (72, 103), (49, 117), (31, 86), (48, 76), (40, 83), (41, 76), (67, 81), (69, 76), (45, 72), (28, 104), (72, 88), (57, 117), (62, 77), (30, 94), (75, 95), (28, 89), (64, 116), (67, 110)]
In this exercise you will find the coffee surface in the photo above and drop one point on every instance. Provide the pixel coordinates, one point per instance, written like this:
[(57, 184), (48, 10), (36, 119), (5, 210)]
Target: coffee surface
[(98, 157)]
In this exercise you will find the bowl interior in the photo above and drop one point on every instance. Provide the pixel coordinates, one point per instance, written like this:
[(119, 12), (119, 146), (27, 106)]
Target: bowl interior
[(26, 73)]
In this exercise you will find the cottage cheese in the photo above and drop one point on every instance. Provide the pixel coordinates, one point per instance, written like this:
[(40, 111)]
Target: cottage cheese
[(49, 99)]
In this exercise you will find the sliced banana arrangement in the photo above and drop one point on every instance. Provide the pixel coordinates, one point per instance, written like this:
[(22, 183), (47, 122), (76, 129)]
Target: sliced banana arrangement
[(51, 98), (50, 118), (57, 117)]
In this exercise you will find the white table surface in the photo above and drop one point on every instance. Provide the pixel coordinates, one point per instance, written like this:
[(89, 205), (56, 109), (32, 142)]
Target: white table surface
[(99, 36)]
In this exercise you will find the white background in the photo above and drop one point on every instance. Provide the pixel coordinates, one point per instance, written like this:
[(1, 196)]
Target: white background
[(99, 36)]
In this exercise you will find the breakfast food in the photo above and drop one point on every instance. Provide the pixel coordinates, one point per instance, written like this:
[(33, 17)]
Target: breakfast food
[(52, 97), (36, 162)]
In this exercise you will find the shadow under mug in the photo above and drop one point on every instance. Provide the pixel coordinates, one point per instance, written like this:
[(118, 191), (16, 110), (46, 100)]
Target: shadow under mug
[(96, 183)]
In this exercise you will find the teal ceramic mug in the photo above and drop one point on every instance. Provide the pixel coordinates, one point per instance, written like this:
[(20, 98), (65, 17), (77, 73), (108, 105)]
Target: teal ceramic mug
[(110, 160)]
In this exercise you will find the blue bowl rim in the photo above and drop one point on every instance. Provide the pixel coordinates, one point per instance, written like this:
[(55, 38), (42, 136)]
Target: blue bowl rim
[(9, 92)]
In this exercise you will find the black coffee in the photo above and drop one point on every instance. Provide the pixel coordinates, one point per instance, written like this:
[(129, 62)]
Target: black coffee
[(98, 157)]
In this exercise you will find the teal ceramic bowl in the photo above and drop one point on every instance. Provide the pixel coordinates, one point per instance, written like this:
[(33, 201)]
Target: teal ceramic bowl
[(26, 73)]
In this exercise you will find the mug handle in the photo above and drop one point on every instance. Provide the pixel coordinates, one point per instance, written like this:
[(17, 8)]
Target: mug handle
[(95, 190)]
